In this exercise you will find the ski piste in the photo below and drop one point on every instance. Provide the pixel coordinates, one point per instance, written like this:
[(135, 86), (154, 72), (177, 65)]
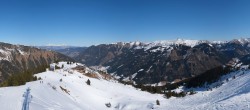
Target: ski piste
[(27, 99)]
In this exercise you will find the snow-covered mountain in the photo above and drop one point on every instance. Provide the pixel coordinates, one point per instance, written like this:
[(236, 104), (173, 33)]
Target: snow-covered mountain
[(163, 61), (15, 59), (66, 89), (178, 41), (163, 43)]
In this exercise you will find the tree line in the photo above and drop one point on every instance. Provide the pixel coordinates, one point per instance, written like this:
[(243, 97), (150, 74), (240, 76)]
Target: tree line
[(23, 77), (207, 77)]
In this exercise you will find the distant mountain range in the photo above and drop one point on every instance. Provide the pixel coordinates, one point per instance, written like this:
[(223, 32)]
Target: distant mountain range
[(158, 62), (161, 61), (71, 51)]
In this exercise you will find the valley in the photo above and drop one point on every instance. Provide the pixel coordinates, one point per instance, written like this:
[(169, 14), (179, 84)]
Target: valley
[(124, 55)]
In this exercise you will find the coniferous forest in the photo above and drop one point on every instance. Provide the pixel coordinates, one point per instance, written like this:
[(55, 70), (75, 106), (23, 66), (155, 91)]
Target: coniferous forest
[(23, 77), (207, 77)]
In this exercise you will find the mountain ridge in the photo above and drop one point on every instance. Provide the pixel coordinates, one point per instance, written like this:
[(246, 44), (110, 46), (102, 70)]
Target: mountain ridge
[(167, 60), (15, 59)]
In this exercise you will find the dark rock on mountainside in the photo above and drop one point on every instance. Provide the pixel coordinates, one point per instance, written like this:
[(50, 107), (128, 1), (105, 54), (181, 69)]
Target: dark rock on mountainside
[(234, 48), (101, 54), (17, 58), (179, 63)]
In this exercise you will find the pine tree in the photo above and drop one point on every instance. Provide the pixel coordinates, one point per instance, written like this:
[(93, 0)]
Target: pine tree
[(157, 102), (88, 82), (23, 77)]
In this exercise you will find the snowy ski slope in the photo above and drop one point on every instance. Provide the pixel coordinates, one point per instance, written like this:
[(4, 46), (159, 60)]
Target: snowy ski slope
[(231, 95)]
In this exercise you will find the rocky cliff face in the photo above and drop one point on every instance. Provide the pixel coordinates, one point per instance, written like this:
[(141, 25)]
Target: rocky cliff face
[(17, 58), (163, 61)]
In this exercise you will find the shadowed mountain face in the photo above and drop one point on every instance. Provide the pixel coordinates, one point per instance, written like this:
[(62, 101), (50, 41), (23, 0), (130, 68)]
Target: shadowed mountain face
[(17, 58), (162, 61)]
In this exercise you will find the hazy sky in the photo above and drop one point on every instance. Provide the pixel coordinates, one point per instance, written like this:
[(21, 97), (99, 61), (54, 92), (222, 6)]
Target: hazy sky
[(87, 22)]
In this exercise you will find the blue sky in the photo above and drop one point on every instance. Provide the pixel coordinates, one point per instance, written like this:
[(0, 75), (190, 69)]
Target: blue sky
[(87, 22)]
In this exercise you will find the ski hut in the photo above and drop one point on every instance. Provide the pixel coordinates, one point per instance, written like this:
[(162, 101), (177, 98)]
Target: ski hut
[(52, 67)]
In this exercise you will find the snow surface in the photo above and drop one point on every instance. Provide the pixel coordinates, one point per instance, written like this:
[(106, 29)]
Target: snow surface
[(190, 43), (231, 95), (22, 52), (166, 44), (82, 96)]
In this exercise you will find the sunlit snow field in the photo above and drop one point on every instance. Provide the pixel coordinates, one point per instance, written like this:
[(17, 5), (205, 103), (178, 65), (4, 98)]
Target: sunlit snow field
[(232, 95)]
